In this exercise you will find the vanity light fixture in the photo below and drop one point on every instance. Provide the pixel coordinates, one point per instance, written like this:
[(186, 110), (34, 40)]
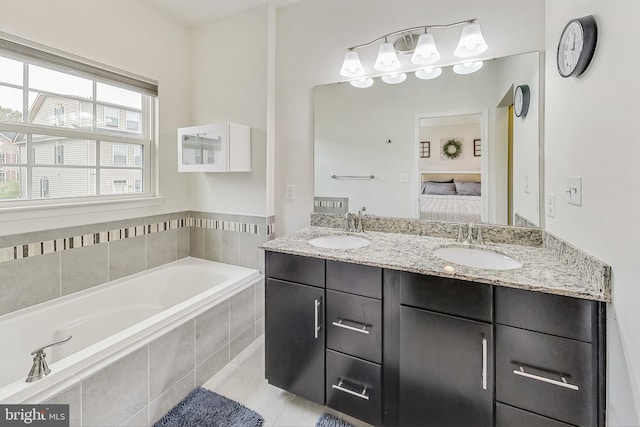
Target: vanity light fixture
[(417, 42), (467, 67)]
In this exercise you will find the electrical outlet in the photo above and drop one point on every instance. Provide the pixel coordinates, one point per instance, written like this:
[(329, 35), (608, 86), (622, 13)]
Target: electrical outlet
[(404, 177), (290, 192), (551, 205), (574, 190), (526, 184)]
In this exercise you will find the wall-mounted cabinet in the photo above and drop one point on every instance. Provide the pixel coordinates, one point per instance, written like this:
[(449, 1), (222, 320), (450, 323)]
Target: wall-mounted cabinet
[(222, 147)]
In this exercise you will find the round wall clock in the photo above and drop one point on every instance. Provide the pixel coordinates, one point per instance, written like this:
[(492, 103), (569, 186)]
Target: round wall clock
[(521, 100), (577, 45)]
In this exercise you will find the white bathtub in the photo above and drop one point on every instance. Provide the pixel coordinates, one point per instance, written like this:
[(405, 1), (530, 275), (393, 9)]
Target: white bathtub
[(107, 322)]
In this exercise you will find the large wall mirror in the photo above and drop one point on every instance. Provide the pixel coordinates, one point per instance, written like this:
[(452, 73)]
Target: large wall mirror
[(448, 149)]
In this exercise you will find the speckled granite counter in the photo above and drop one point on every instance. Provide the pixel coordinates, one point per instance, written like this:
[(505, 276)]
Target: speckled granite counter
[(542, 270)]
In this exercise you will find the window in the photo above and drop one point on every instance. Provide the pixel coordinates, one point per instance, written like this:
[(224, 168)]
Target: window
[(74, 129), (3, 176), (59, 115), (58, 156), (137, 155), (119, 155), (111, 117), (119, 186), (133, 120)]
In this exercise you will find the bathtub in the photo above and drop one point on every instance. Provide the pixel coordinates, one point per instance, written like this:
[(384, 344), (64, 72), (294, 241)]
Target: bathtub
[(108, 322)]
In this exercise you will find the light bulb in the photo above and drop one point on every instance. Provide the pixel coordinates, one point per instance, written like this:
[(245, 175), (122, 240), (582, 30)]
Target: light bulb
[(362, 83), (387, 59), (394, 78), (471, 41), (352, 67), (428, 73), (467, 67), (426, 51)]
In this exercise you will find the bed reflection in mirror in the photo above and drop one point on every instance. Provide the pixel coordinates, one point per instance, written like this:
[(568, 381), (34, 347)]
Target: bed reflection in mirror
[(454, 138)]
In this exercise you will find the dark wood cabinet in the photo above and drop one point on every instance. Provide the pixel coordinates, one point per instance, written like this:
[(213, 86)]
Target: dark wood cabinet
[(294, 338), (446, 370), (395, 348)]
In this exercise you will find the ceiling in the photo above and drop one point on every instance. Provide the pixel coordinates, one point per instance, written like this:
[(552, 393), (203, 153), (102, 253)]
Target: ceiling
[(195, 12)]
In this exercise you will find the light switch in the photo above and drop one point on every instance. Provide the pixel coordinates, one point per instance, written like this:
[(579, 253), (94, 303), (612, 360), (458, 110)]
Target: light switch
[(290, 192), (526, 184), (551, 205), (574, 190), (404, 177)]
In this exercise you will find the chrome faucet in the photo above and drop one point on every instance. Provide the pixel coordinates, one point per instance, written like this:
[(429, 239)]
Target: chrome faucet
[(359, 227), (469, 239), (40, 369)]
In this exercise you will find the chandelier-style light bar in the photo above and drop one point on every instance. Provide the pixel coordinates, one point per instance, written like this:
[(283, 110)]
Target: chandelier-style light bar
[(423, 50)]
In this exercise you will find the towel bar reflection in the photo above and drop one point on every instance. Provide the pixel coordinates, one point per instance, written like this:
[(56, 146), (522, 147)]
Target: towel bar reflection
[(352, 176)]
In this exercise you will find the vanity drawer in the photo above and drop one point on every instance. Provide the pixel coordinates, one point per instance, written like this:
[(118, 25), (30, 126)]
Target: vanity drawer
[(448, 296), (508, 416), (530, 368), (354, 325), (355, 279), (353, 387), (295, 268), (551, 314)]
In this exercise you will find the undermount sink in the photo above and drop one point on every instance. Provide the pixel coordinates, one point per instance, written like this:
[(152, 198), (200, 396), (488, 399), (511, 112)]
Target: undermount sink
[(340, 242), (477, 258)]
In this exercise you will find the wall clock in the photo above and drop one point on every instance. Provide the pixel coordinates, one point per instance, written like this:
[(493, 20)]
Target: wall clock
[(521, 100), (577, 45)]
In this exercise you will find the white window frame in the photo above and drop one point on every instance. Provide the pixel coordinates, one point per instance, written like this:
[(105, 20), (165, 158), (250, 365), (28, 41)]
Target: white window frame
[(33, 53), (120, 183), (3, 157), (137, 186), (3, 176), (128, 118)]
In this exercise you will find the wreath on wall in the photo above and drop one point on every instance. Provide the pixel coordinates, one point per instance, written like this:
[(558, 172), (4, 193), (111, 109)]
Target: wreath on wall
[(452, 149)]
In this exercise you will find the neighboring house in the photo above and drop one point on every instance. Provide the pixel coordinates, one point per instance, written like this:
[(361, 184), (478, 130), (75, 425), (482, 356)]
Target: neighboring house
[(9, 153), (65, 167)]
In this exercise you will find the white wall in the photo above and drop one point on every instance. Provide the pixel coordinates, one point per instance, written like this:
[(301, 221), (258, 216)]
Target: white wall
[(591, 130), (229, 72), (310, 52), (436, 134), (128, 35)]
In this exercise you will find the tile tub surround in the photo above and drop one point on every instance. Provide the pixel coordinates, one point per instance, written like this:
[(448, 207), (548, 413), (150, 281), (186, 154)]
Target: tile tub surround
[(142, 386), (39, 266), (542, 270), (490, 232)]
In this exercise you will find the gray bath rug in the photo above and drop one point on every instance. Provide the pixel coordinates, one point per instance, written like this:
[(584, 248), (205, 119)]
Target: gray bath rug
[(204, 408), (327, 420)]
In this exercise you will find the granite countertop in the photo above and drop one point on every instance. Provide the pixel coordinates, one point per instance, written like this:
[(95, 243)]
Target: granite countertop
[(541, 271)]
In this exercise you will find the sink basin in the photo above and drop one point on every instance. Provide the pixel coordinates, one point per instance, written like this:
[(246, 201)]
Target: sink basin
[(477, 258), (340, 242)]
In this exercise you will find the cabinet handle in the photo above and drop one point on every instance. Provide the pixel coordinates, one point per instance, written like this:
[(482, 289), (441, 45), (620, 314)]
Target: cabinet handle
[(562, 383), (484, 363), (316, 327), (361, 395), (362, 329)]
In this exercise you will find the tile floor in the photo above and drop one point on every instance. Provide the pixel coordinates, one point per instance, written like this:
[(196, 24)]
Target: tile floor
[(243, 381)]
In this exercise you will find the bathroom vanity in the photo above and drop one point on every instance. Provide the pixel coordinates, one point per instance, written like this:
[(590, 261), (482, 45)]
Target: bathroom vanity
[(392, 335)]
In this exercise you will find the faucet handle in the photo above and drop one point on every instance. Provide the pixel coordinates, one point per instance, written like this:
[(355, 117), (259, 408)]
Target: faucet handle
[(479, 239), (62, 341), (460, 237)]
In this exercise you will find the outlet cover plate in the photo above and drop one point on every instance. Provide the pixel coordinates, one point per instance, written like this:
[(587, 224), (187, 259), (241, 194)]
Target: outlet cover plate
[(551, 205)]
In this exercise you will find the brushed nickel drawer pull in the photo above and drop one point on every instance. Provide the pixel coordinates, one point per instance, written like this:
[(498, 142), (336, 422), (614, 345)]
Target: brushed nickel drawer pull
[(562, 383), (484, 363), (361, 395), (316, 324), (363, 329)]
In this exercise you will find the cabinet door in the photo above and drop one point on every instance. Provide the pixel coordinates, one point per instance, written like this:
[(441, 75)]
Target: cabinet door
[(294, 338), (446, 370)]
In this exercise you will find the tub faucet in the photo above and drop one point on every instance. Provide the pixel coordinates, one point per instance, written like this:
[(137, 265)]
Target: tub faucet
[(40, 369)]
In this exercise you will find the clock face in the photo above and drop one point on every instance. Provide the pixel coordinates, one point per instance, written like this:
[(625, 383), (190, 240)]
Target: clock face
[(517, 102), (521, 100)]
